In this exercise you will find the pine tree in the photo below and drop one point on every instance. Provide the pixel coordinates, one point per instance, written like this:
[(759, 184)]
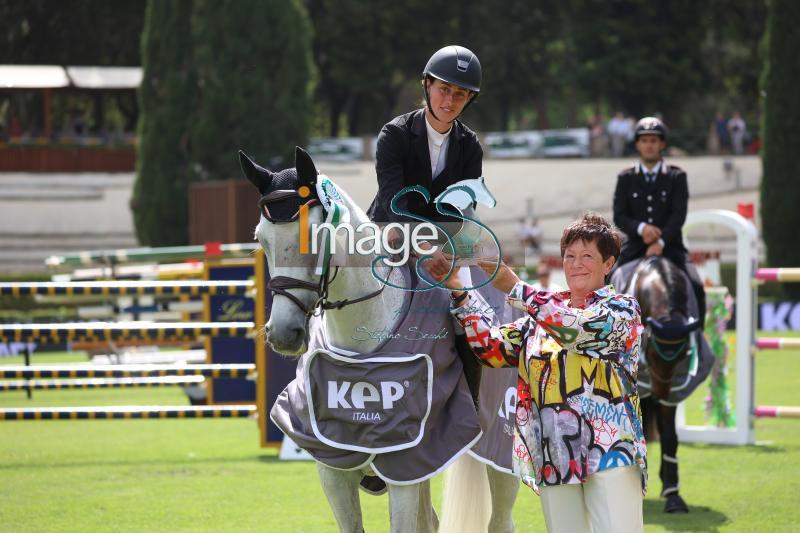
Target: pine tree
[(780, 187), (167, 97), (254, 68)]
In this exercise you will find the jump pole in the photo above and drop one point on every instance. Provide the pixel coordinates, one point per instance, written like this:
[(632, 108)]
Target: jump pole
[(778, 274), (777, 343), (99, 383), (74, 331), (128, 288), (128, 412), (124, 371), (777, 411)]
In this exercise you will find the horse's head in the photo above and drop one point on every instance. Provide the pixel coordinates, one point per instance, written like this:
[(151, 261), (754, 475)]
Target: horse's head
[(296, 287), (660, 288)]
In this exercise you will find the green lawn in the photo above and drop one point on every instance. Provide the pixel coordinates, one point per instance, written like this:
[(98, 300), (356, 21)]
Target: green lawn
[(211, 475)]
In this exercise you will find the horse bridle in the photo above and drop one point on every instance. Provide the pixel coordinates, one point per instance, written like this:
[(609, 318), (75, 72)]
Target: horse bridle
[(281, 284), (655, 340)]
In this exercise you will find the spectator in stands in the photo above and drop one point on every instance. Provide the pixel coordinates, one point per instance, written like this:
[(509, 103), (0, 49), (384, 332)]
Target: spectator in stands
[(543, 282), (599, 136), (718, 139), (619, 131), (738, 132), (530, 235)]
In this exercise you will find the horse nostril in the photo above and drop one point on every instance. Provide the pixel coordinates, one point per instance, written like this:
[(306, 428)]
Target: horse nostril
[(298, 333)]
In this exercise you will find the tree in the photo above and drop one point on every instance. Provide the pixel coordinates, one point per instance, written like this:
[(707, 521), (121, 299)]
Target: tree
[(640, 56), (254, 71), (365, 57), (167, 97), (71, 32), (780, 191), (515, 43)]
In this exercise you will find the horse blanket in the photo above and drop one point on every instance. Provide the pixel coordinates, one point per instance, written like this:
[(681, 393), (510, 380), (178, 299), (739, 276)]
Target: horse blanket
[(404, 409), (498, 391)]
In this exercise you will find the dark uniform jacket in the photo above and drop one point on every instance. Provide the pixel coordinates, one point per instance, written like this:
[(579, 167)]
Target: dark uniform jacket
[(402, 159), (663, 204)]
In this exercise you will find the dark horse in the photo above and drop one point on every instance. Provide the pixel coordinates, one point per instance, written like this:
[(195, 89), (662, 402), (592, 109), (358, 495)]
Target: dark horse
[(672, 346)]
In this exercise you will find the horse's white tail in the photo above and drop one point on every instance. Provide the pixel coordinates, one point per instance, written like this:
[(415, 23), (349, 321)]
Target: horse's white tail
[(467, 502)]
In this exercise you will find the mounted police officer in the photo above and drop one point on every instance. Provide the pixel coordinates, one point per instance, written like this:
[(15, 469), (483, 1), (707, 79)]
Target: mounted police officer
[(650, 204)]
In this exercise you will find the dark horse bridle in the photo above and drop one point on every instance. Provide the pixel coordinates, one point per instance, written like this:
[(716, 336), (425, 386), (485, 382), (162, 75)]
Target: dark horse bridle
[(281, 284), (669, 346), (667, 349)]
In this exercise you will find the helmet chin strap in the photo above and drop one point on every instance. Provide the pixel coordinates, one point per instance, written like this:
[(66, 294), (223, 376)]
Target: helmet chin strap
[(428, 98)]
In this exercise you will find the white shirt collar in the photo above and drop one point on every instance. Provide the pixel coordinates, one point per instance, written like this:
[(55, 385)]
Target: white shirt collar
[(660, 167), (434, 136)]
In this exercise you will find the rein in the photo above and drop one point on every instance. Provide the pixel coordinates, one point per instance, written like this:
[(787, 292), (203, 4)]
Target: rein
[(280, 285)]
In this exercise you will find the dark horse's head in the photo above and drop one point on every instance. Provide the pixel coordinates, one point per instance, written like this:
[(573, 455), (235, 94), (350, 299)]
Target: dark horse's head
[(661, 289)]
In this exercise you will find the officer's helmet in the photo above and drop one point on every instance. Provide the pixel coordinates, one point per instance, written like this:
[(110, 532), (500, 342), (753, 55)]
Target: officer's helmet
[(651, 126), (456, 65)]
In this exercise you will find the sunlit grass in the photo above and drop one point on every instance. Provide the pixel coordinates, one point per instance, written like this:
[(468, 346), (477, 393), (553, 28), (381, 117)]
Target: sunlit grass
[(211, 475)]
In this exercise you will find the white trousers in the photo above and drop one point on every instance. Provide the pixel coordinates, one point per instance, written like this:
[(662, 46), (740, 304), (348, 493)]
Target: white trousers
[(609, 502)]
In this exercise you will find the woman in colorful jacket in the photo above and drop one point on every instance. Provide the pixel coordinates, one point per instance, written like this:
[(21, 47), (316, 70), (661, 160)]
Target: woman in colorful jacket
[(578, 439)]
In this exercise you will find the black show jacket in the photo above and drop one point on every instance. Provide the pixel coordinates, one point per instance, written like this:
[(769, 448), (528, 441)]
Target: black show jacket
[(663, 204), (403, 159)]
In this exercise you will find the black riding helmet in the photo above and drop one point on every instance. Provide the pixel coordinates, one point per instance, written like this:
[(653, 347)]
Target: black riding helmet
[(453, 64), (650, 126)]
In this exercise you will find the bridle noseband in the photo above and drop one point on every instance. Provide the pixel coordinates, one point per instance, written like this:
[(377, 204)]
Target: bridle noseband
[(280, 285), (658, 343)]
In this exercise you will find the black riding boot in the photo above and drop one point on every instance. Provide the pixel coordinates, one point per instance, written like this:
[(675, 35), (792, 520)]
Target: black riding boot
[(472, 368), (668, 472)]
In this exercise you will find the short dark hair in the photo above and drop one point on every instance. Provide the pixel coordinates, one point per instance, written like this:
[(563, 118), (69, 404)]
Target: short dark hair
[(591, 227)]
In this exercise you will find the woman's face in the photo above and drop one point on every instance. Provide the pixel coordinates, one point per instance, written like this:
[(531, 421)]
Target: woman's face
[(447, 100), (584, 266)]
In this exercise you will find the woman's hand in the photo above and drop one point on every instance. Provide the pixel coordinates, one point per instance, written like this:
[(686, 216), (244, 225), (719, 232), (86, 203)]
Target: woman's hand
[(505, 279), (438, 267)]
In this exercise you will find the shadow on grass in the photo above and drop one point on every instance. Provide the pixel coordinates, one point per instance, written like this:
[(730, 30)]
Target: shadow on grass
[(758, 447), (268, 459), (699, 518), (119, 462)]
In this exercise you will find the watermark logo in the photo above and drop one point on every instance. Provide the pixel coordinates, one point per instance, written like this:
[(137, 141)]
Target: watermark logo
[(393, 244)]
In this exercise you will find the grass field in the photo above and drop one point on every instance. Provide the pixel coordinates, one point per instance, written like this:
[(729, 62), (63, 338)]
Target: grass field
[(211, 475)]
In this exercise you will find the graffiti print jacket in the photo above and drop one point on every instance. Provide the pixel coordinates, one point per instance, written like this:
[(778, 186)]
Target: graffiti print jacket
[(578, 408)]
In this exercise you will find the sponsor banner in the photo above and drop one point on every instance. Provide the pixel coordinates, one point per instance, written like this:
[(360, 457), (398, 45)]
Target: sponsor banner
[(17, 349), (779, 316), (369, 404)]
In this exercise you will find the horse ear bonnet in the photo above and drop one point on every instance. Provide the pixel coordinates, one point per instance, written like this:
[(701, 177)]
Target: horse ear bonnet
[(306, 171), (284, 180), (258, 176)]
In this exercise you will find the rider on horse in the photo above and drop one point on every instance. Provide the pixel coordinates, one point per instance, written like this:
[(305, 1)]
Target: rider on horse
[(431, 148), (650, 204)]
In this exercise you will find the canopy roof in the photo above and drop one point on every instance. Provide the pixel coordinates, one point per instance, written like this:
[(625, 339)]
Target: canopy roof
[(32, 77), (55, 76)]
